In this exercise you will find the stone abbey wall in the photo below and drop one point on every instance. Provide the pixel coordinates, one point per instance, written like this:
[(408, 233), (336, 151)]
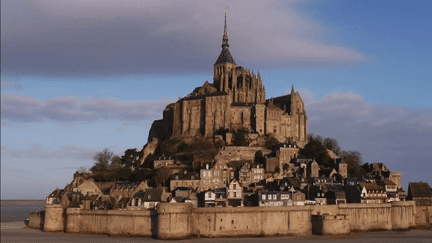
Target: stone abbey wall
[(179, 221)]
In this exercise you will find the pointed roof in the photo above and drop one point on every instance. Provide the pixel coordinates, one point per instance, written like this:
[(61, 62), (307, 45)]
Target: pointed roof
[(225, 55)]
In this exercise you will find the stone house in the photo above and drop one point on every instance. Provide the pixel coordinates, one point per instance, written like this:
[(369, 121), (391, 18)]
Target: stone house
[(214, 176), (214, 198), (163, 161), (286, 153), (352, 193), (235, 194), (298, 198), (420, 192), (182, 192), (90, 187), (153, 196), (245, 175), (257, 173), (192, 198), (317, 194), (71, 199), (55, 196), (274, 198), (127, 189), (391, 190), (372, 193), (187, 179), (334, 194), (208, 200)]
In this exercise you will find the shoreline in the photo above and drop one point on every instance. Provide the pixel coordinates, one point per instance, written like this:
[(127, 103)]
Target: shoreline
[(16, 231)]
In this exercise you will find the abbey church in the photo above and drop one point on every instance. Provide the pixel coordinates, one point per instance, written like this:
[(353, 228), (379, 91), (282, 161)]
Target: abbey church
[(235, 100)]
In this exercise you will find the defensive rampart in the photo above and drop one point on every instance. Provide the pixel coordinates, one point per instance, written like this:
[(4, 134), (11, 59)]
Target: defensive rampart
[(179, 221)]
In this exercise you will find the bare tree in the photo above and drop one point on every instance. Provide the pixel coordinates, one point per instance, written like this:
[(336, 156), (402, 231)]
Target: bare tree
[(354, 162), (116, 163), (82, 169), (333, 145), (102, 160)]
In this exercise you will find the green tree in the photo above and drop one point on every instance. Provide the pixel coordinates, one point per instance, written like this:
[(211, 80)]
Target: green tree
[(241, 137), (333, 145), (259, 158), (314, 149), (354, 162), (161, 175), (130, 159), (271, 142)]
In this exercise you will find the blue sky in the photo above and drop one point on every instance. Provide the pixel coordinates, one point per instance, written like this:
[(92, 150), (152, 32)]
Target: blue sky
[(81, 76)]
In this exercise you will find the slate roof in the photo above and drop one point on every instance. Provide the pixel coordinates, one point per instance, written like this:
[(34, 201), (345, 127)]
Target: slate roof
[(388, 182), (353, 194), (105, 187), (187, 176), (372, 186), (152, 195), (127, 184), (282, 102), (419, 189), (199, 97), (57, 193), (224, 57)]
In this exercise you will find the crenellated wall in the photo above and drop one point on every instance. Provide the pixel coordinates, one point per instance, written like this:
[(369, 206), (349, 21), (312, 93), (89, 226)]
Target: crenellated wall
[(179, 221)]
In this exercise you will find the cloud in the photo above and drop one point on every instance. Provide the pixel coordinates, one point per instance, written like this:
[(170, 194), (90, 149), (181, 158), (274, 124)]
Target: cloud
[(38, 151), (18, 108), (400, 137), (104, 38), (9, 84)]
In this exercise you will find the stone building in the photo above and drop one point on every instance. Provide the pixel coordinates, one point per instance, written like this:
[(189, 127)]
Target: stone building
[(236, 99)]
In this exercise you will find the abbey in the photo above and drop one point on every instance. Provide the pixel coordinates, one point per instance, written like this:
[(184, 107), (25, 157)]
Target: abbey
[(236, 99)]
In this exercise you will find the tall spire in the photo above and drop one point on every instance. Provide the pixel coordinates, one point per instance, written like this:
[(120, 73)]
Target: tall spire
[(225, 56), (225, 44)]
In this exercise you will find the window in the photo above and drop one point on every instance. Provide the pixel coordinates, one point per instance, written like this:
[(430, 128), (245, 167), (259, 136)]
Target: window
[(263, 197), (269, 197), (274, 197)]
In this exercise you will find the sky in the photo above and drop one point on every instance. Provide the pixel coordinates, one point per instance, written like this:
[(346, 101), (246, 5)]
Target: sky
[(81, 76)]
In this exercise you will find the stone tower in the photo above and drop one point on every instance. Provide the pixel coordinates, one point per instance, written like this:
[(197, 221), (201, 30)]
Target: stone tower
[(242, 85), (235, 100), (313, 169), (343, 169)]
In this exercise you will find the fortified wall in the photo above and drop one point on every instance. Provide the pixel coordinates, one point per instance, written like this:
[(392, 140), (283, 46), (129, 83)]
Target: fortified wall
[(180, 221)]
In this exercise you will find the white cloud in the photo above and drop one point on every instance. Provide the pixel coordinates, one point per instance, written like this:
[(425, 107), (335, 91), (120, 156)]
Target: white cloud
[(397, 136), (67, 109), (123, 37)]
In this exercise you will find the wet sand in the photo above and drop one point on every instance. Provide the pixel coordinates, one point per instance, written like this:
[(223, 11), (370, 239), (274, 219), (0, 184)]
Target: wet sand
[(17, 232)]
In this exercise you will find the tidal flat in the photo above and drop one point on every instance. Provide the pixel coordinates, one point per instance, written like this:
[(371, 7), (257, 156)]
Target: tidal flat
[(17, 232)]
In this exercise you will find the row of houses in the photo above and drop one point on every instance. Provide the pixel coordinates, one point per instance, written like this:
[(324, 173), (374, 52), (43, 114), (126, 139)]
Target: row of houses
[(242, 183), (283, 191)]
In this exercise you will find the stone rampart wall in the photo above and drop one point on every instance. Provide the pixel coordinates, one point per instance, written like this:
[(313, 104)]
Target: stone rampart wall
[(112, 222), (230, 153), (179, 221), (251, 221), (36, 220), (423, 216)]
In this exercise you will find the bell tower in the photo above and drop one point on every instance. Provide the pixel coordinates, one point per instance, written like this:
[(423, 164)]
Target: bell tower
[(224, 67)]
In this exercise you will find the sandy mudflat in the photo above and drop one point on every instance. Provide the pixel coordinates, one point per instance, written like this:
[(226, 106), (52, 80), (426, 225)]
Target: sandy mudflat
[(6, 202), (17, 232)]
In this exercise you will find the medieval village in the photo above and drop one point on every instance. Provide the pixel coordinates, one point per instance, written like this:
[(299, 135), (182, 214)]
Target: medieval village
[(226, 146)]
